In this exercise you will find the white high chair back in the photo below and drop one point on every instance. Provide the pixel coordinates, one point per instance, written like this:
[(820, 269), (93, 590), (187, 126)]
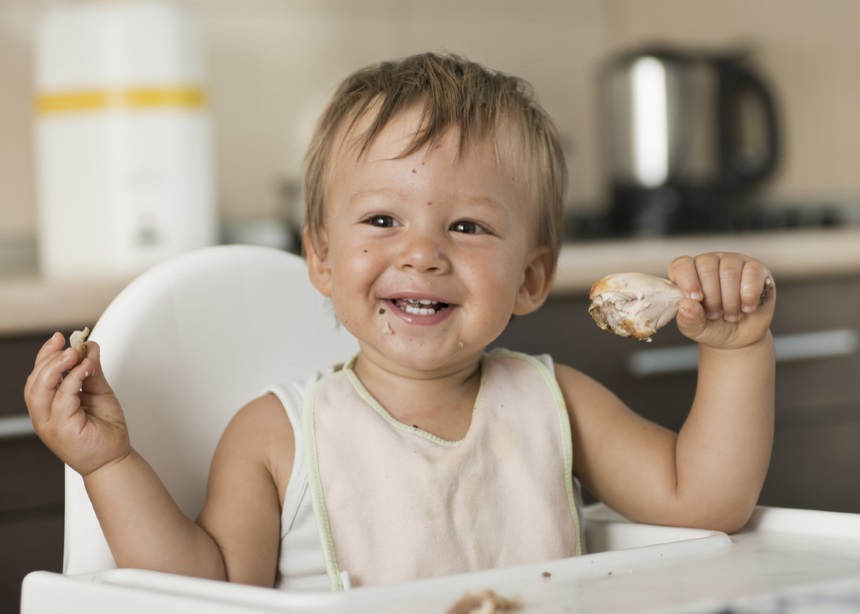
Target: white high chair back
[(184, 346)]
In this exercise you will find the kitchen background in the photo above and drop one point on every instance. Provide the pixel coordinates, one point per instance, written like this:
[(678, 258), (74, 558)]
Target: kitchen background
[(271, 65)]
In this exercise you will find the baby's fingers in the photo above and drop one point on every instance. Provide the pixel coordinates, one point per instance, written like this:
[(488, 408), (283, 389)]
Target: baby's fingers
[(96, 384), (49, 350), (729, 277), (682, 271), (67, 401), (54, 344), (45, 381), (756, 286)]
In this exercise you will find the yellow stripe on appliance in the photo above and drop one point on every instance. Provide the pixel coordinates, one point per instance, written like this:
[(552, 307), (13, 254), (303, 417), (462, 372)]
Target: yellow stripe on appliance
[(128, 98)]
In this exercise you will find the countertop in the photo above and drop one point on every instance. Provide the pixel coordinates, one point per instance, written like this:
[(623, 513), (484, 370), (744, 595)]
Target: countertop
[(30, 303), (789, 255)]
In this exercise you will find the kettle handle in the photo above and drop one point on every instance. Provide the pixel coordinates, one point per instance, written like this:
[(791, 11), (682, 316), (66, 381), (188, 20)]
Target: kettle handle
[(739, 172)]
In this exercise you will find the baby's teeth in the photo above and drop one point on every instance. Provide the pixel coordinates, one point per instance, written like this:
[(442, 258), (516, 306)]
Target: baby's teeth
[(420, 307), (418, 310)]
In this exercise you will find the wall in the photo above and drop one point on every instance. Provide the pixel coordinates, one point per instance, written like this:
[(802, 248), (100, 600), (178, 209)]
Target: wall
[(272, 64), (273, 70)]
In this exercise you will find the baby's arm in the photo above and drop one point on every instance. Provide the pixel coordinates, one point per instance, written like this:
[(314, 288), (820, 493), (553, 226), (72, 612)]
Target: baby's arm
[(711, 473), (79, 419), (728, 436), (236, 536)]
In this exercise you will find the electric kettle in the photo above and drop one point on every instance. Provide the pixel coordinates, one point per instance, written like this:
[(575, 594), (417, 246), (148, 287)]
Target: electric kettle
[(684, 131)]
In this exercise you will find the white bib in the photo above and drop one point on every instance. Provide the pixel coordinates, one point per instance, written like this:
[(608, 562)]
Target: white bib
[(394, 503)]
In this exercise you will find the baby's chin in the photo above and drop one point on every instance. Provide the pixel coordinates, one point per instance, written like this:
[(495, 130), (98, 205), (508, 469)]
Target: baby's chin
[(412, 358)]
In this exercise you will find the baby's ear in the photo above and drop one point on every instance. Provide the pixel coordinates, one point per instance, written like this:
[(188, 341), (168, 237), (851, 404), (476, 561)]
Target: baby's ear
[(536, 282), (316, 254)]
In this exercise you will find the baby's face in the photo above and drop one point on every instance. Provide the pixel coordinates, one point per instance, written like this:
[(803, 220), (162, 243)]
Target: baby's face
[(425, 256)]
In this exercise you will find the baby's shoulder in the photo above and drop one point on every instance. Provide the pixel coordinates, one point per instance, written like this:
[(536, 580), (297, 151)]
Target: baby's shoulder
[(260, 421), (578, 388)]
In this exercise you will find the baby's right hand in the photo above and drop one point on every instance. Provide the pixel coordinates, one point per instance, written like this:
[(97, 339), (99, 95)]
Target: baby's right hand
[(77, 416)]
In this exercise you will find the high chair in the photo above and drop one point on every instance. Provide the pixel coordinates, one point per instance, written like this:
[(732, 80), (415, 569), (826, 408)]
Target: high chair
[(193, 339), (187, 344)]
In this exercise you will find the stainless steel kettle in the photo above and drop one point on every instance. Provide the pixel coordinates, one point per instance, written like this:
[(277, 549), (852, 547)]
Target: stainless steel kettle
[(684, 131)]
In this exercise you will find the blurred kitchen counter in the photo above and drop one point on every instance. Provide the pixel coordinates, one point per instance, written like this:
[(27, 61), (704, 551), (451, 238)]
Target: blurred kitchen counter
[(29, 303), (790, 255)]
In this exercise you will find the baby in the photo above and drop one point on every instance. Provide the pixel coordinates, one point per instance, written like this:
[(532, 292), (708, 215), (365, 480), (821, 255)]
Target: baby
[(434, 194)]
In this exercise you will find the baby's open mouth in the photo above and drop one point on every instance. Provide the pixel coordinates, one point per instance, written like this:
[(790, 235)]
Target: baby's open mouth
[(419, 307)]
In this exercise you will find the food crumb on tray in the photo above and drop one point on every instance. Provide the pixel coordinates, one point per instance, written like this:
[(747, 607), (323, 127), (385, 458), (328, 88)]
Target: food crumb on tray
[(486, 602)]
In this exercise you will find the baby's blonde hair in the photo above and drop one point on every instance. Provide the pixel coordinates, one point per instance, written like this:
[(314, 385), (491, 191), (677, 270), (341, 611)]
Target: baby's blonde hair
[(452, 92)]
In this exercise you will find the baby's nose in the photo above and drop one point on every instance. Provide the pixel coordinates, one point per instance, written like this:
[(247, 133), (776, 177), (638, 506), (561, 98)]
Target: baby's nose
[(423, 252)]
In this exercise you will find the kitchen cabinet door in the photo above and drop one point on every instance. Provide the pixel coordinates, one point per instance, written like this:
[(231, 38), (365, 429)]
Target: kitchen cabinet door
[(31, 482)]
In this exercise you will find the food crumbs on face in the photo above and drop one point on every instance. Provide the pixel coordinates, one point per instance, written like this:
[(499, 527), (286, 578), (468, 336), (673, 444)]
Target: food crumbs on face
[(387, 329), (487, 602), (77, 340), (381, 310)]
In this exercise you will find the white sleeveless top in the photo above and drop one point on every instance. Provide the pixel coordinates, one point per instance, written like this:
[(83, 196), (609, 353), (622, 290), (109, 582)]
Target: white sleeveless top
[(411, 505)]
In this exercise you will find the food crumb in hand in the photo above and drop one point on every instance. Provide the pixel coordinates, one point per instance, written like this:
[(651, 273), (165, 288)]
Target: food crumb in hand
[(765, 291), (487, 602), (77, 340)]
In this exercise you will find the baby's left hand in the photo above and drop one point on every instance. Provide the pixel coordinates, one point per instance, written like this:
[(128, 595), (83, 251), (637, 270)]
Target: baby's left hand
[(729, 300)]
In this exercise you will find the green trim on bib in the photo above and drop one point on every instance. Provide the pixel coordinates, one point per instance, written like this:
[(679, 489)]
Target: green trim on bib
[(368, 398), (315, 485), (564, 422)]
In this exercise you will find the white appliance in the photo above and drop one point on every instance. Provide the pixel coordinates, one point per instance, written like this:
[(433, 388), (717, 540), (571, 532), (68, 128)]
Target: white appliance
[(124, 152)]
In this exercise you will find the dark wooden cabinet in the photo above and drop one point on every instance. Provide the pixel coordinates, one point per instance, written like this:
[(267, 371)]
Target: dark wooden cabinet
[(817, 446), (31, 482)]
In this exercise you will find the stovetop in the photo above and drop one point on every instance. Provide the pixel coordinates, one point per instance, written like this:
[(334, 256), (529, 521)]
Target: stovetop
[(598, 225)]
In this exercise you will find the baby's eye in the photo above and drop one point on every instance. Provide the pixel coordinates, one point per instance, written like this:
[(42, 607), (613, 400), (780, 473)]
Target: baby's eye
[(467, 227), (381, 221)]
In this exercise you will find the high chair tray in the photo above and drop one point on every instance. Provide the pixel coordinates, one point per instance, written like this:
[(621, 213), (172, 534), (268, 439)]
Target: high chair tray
[(784, 560)]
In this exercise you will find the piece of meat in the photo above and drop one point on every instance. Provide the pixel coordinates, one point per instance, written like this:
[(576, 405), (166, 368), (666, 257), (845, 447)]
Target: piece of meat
[(634, 305)]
